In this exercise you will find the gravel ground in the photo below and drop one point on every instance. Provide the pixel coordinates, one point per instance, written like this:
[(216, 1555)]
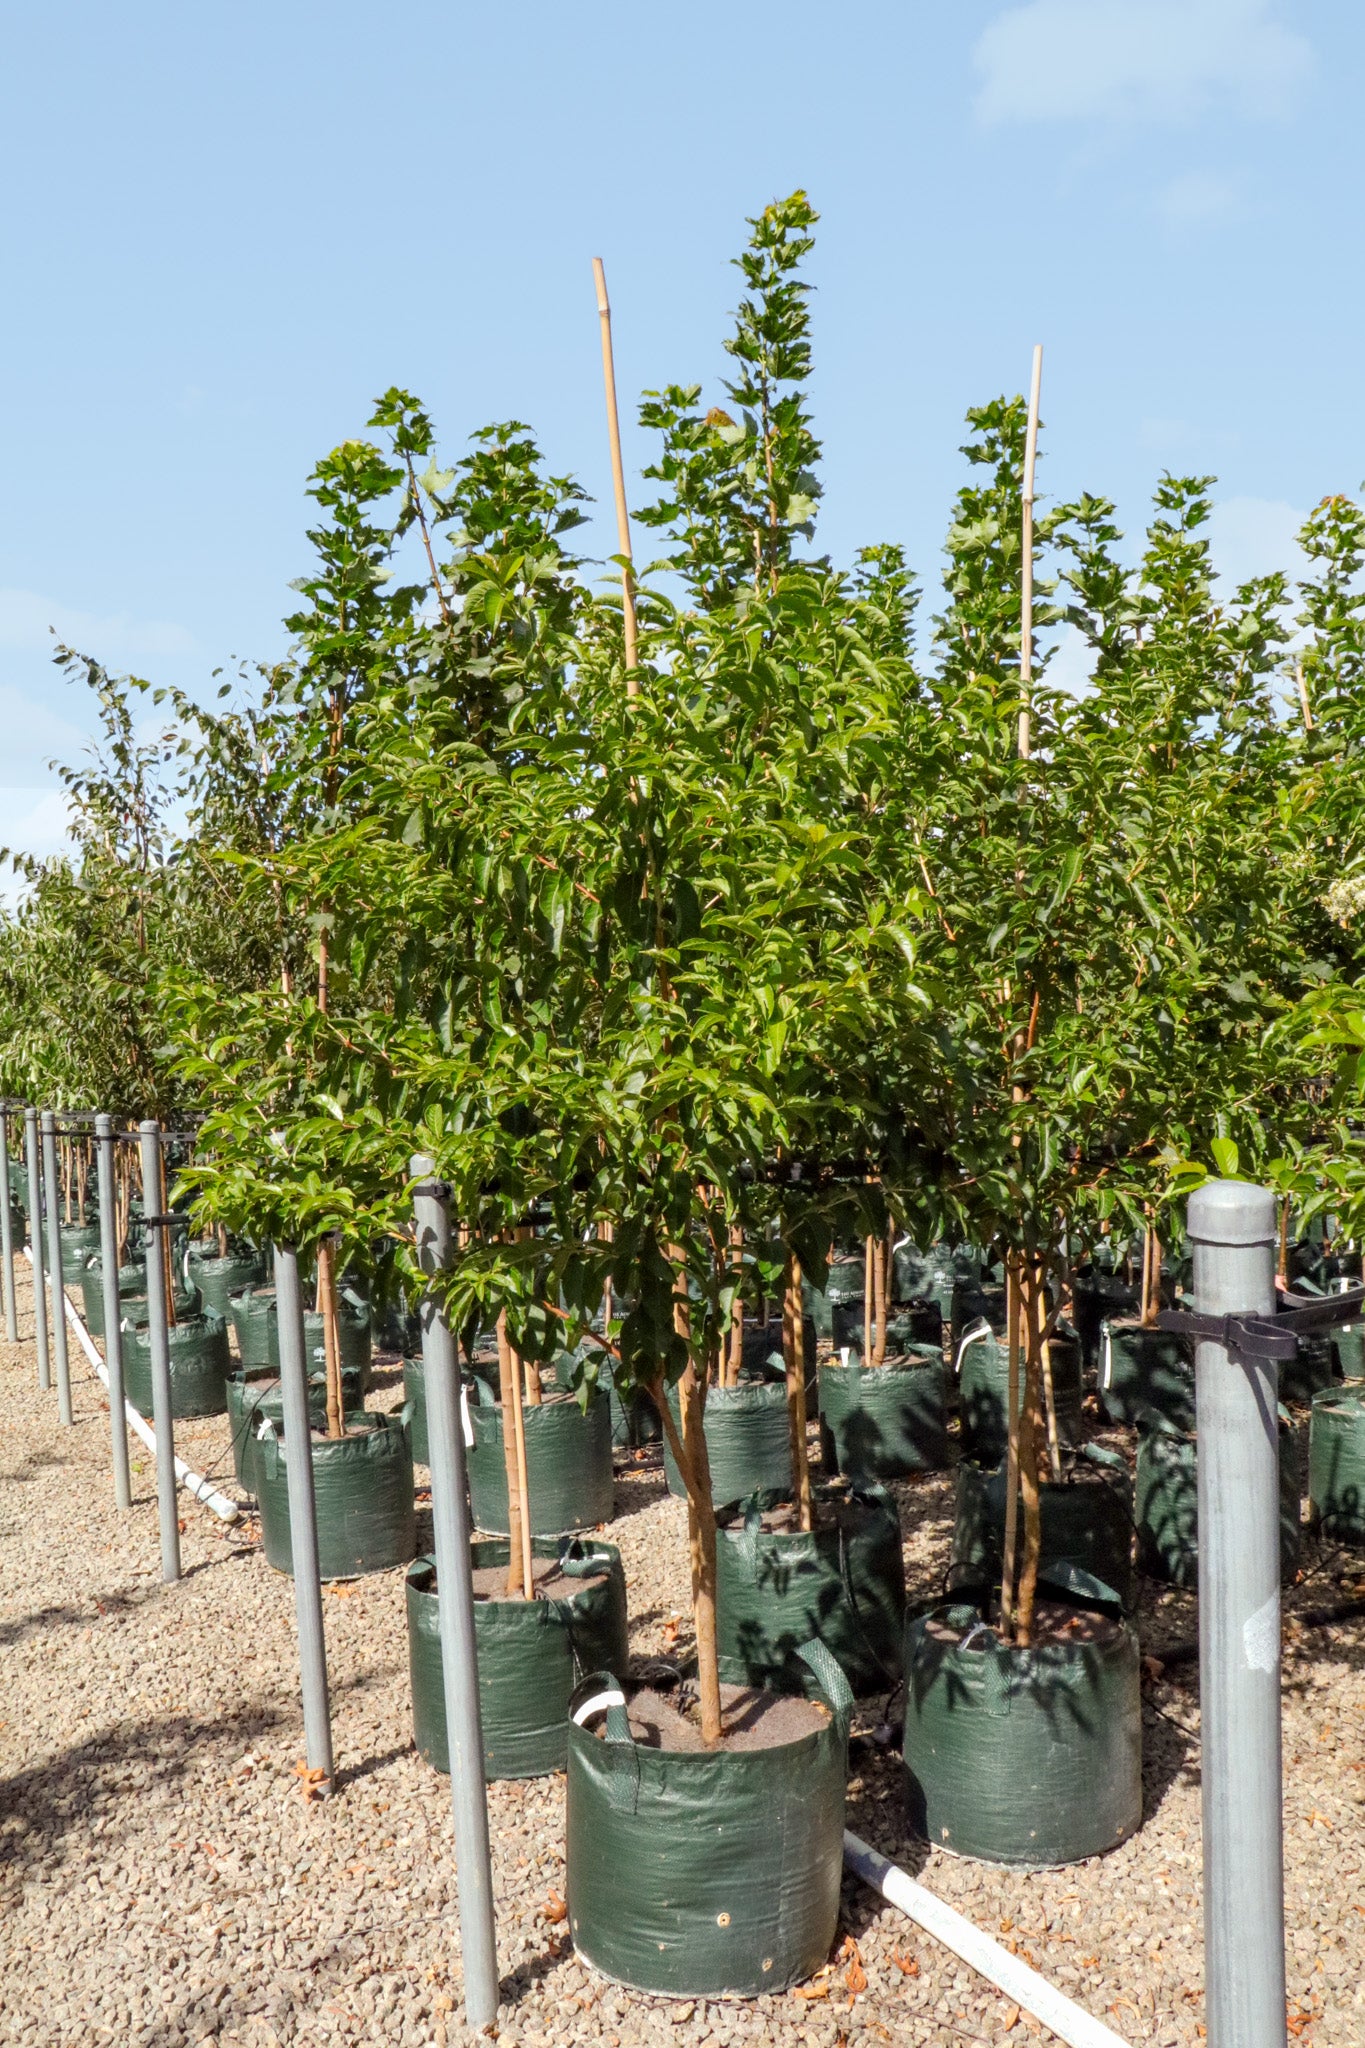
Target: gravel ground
[(164, 1880)]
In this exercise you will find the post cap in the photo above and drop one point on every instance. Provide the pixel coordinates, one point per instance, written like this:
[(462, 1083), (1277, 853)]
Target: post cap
[(1232, 1212)]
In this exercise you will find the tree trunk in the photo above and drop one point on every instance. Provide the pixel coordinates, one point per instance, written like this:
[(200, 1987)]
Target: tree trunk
[(331, 1349), (509, 1391), (869, 1290), (1012, 1417), (734, 1359), (1030, 1439), (168, 1262), (881, 1298), (1284, 1240), (689, 1455), (794, 1358)]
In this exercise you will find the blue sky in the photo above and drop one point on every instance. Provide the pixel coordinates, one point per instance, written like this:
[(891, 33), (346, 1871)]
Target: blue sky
[(229, 227)]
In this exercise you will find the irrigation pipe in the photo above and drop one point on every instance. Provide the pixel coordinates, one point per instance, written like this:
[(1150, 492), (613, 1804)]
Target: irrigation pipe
[(193, 1482), (1033, 1994)]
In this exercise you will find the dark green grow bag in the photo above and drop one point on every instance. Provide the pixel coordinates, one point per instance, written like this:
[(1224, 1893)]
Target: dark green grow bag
[(568, 1463), (1309, 1371), (257, 1397), (132, 1282), (18, 1227), (532, 1653), (921, 1322), (200, 1364), (1336, 1465), (912, 1272), (843, 1585), (1024, 1757), (362, 1485), (974, 1303), (634, 1418), (1168, 1502), (702, 1874), (748, 1442), (79, 1240), (884, 1421), (1142, 1369), (255, 1318), (218, 1279), (845, 1283), (983, 1375), (1348, 1350), (1087, 1527), (1097, 1298)]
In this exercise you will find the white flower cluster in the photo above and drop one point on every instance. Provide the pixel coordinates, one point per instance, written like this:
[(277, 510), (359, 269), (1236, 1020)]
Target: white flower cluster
[(1345, 900)]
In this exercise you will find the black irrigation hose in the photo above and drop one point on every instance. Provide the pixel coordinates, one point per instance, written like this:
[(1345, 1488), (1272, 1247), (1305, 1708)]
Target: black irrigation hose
[(1312, 1617)]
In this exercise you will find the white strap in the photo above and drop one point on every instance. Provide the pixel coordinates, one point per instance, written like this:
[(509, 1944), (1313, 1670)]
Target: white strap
[(465, 1423), (979, 1329), (598, 1704), (1107, 1369)]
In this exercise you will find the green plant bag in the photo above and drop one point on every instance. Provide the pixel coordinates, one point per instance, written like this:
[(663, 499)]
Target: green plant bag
[(706, 1874), (132, 1283), (255, 1318), (363, 1489), (200, 1364), (257, 1397), (982, 1362), (842, 1585), (79, 1240), (1142, 1369), (568, 1463), (1096, 1298), (762, 1356), (1348, 1350), (1087, 1528), (1029, 1758), (1336, 1464), (975, 1303), (921, 1322), (634, 1418), (912, 1272), (532, 1653), (748, 1442), (1309, 1371), (218, 1279), (18, 1227), (884, 1421), (1168, 1502)]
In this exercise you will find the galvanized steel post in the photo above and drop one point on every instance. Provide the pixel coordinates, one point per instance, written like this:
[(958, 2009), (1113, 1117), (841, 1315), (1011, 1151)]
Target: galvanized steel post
[(159, 1341), (7, 1232), (54, 1267), (35, 1239), (1232, 1230), (455, 1587), (113, 1308), (303, 1526)]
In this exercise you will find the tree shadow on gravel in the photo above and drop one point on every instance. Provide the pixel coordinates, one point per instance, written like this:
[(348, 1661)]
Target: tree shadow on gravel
[(39, 1807), (44, 1618), (34, 1466)]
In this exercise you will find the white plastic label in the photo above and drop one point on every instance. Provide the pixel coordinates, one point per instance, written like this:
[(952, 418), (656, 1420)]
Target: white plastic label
[(598, 1704)]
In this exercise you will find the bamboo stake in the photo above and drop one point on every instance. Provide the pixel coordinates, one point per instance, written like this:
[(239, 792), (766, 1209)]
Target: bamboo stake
[(167, 1266), (735, 1349), (1012, 1405), (1029, 1434), (794, 1358), (869, 1285), (618, 479), (1026, 578), (1283, 1267), (880, 1297), (1054, 1441), (528, 1574), (517, 1588), (701, 1513), (1303, 696)]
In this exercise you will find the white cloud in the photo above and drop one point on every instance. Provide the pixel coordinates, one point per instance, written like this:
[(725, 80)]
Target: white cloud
[(33, 821), (28, 622), (1168, 60)]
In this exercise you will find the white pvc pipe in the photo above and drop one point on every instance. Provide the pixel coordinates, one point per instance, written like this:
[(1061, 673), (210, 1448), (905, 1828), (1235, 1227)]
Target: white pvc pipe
[(193, 1482), (1033, 1994)]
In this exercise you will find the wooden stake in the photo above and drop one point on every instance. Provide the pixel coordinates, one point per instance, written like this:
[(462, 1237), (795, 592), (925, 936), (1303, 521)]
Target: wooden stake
[(331, 1349), (1026, 578), (618, 479), (509, 1395), (167, 1264), (1030, 1433), (881, 1294), (869, 1286), (735, 1349), (1303, 697), (1012, 1405), (794, 1358)]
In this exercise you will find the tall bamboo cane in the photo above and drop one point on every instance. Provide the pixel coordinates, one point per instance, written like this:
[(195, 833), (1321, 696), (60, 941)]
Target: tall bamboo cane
[(618, 478), (1026, 579)]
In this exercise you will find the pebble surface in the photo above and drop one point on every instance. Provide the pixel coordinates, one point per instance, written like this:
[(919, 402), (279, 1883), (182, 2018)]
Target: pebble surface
[(164, 1880)]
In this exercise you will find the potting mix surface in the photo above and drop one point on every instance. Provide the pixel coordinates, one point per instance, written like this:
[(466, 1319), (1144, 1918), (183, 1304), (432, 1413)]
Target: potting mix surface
[(169, 1877)]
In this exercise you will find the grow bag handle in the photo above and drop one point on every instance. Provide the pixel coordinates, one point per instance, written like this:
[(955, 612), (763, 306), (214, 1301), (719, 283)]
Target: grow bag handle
[(580, 1560), (828, 1673), (972, 1335)]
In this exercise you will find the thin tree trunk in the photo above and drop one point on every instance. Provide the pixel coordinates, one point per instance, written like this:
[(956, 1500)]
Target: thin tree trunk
[(881, 1297), (1145, 1312), (735, 1347), (1030, 1437), (535, 1393), (869, 1289), (1156, 1276), (701, 1513), (168, 1239), (794, 1358), (222, 1241), (331, 1349), (517, 1587), (1054, 1440), (1012, 1455), (1284, 1239)]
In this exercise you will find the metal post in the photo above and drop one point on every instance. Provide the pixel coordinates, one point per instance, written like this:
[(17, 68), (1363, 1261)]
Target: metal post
[(455, 1586), (303, 1526), (54, 1268), (7, 1233), (35, 1239), (1232, 1229), (113, 1308), (160, 1341)]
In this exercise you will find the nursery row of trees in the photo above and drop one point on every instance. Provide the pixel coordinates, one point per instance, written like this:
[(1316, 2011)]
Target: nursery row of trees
[(702, 963)]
